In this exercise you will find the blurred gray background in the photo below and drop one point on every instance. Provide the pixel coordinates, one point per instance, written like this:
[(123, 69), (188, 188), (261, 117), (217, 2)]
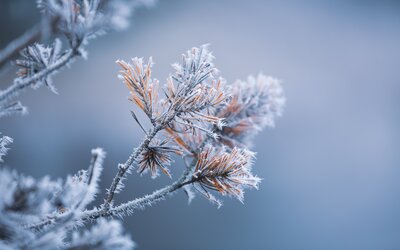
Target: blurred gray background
[(331, 167)]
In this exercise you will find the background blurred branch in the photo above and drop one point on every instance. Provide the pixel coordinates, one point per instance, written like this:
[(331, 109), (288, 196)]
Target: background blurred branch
[(19, 85), (15, 46)]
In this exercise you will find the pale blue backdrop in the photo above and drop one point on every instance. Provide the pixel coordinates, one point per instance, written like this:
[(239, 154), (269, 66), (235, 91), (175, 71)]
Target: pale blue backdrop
[(331, 167)]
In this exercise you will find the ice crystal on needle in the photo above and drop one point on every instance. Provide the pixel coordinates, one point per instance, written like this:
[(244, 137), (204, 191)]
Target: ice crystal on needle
[(157, 156)]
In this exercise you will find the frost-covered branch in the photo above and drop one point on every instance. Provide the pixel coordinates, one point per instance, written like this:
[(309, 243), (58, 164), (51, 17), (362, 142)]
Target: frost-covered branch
[(187, 100), (127, 208), (42, 214), (200, 118)]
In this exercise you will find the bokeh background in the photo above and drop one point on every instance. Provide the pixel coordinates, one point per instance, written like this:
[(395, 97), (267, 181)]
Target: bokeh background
[(331, 167)]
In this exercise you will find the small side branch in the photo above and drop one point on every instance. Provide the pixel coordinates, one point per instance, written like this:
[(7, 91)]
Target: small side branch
[(139, 203), (127, 207)]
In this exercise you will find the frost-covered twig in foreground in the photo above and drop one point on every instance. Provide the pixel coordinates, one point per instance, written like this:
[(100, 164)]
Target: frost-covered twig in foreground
[(56, 206)]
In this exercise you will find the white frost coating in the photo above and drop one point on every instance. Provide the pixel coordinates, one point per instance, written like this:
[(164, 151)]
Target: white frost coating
[(53, 207)]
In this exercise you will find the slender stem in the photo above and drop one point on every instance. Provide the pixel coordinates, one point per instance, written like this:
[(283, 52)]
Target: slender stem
[(128, 207), (20, 84)]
